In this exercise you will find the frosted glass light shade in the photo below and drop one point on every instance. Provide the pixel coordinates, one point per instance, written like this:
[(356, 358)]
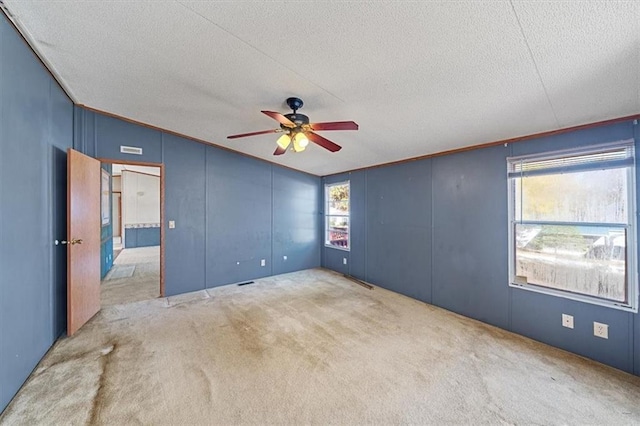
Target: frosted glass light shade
[(300, 142), (284, 141)]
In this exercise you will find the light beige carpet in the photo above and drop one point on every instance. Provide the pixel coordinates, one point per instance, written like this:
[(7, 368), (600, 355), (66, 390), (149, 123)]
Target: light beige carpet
[(312, 348), (144, 284)]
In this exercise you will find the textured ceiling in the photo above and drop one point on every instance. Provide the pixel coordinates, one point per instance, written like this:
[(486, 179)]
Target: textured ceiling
[(419, 77)]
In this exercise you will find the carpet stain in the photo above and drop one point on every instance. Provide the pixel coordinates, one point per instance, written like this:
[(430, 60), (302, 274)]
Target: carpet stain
[(100, 397), (66, 359), (248, 337), (204, 383)]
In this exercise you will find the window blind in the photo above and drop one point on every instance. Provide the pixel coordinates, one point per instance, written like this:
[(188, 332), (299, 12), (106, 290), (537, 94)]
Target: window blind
[(619, 154)]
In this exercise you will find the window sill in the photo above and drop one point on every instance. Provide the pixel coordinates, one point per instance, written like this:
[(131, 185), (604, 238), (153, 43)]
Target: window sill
[(337, 248), (576, 297)]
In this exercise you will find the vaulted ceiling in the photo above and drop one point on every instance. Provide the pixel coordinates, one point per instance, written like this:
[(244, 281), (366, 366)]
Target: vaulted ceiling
[(418, 77)]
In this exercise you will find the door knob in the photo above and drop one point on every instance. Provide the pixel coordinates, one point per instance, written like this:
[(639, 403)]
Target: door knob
[(72, 242)]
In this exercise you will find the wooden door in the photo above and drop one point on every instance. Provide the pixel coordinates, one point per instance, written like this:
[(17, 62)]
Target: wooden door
[(83, 239)]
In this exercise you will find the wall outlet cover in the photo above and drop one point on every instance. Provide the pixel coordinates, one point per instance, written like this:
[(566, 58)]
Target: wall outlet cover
[(284, 257), (263, 262), (344, 260), (567, 321), (601, 330)]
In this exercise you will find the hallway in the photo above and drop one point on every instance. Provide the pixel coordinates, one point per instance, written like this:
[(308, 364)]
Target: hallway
[(135, 276)]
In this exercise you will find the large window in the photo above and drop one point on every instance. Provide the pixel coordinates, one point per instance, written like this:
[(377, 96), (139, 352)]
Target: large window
[(337, 215), (572, 224)]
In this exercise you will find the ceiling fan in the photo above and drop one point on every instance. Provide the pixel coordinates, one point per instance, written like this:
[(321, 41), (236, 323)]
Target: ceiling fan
[(297, 129)]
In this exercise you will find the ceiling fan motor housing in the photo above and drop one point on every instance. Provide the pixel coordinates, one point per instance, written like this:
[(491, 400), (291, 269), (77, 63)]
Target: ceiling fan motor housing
[(298, 119)]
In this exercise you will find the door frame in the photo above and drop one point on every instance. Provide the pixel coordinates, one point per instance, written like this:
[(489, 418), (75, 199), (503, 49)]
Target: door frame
[(119, 207), (161, 167)]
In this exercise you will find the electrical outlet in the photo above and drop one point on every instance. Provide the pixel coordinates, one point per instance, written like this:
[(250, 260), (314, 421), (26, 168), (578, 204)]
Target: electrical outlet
[(263, 262), (284, 257), (344, 260), (567, 321), (601, 330), (172, 224)]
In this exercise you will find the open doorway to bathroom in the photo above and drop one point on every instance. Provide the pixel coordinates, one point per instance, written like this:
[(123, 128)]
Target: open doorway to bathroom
[(131, 233)]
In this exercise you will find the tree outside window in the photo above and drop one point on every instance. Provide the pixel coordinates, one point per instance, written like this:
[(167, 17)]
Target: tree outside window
[(337, 215)]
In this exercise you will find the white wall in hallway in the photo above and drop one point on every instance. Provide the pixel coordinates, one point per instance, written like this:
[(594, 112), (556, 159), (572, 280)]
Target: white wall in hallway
[(140, 198)]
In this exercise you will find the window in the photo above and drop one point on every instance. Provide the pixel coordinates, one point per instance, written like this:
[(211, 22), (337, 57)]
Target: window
[(572, 224), (337, 215)]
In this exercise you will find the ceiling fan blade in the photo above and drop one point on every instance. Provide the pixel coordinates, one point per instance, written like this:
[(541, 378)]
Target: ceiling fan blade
[(279, 118), (279, 151), (262, 132), (335, 125), (325, 143)]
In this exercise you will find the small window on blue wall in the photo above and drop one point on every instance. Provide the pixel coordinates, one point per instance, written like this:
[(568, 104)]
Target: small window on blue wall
[(337, 215), (572, 224)]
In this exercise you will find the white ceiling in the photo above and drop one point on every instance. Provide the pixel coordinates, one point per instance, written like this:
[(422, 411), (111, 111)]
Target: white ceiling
[(418, 77)]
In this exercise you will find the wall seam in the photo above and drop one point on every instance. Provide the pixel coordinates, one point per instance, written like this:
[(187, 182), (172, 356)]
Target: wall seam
[(366, 226), (162, 147), (206, 216), (95, 136), (82, 146), (432, 233)]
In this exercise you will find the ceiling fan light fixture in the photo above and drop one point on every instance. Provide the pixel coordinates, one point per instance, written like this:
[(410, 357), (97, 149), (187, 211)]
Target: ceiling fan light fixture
[(284, 141), (298, 130), (300, 142)]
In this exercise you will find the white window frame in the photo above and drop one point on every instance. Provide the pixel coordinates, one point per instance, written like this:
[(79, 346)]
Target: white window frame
[(327, 216), (631, 243)]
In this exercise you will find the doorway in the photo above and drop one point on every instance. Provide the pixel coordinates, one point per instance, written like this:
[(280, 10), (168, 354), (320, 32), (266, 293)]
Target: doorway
[(132, 252)]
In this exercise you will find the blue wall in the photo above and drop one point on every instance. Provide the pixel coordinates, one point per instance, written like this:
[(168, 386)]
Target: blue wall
[(436, 230), (231, 211), (36, 125), (141, 237)]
